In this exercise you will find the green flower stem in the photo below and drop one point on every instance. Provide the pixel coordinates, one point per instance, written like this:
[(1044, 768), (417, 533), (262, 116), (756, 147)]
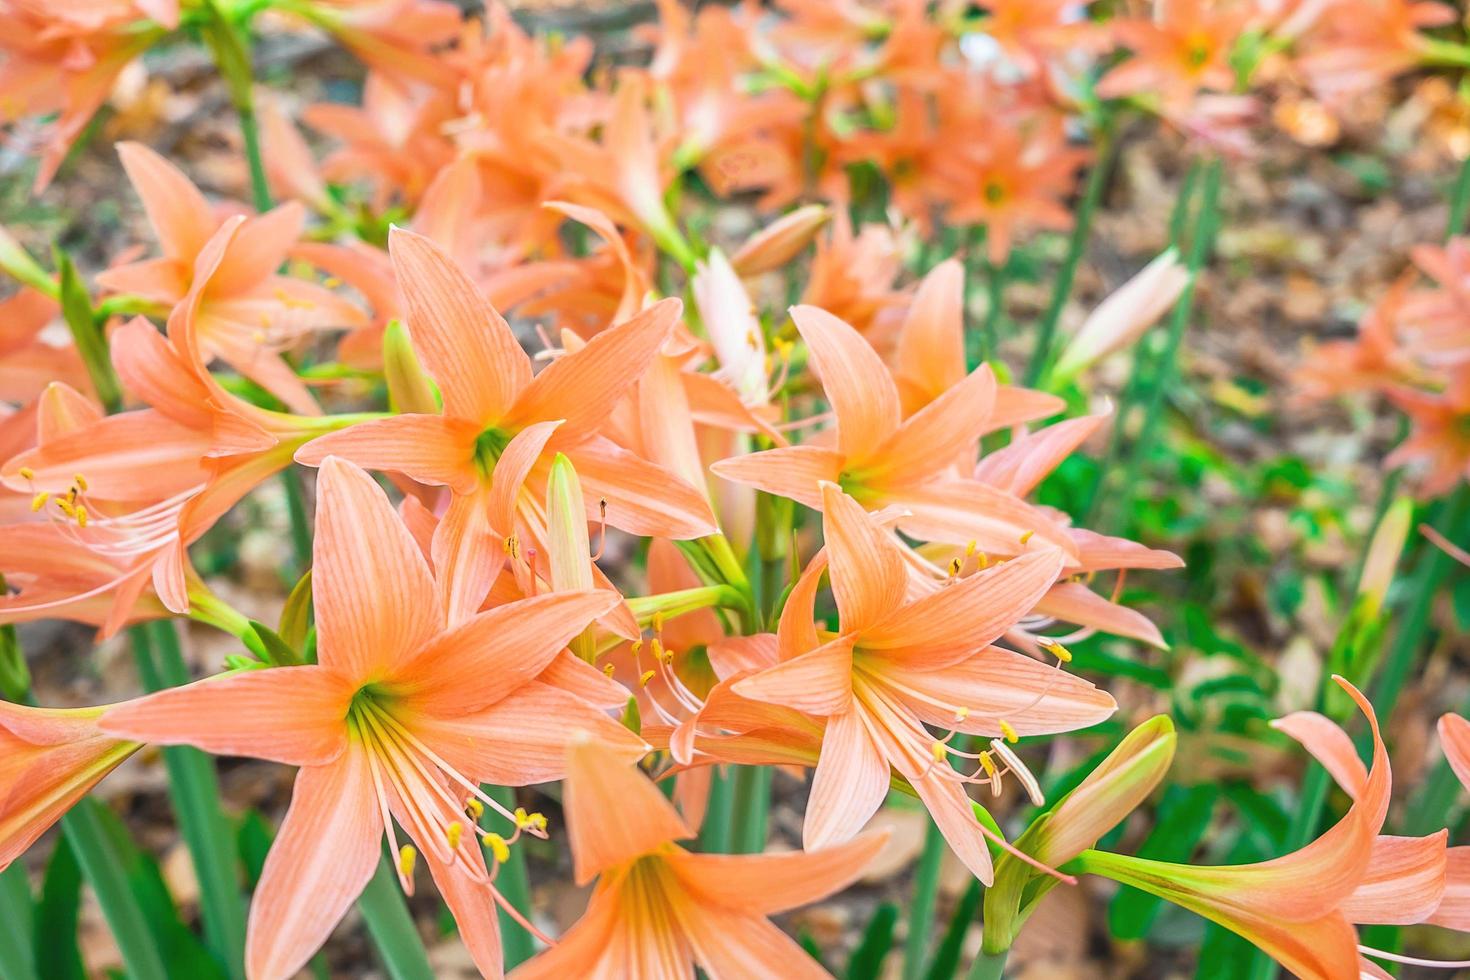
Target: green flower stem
[(389, 923), (1097, 178), (714, 834), (1153, 396), (295, 489), (752, 792), (194, 790), (995, 294), (683, 601), (989, 966), (514, 885), (921, 912), (103, 868)]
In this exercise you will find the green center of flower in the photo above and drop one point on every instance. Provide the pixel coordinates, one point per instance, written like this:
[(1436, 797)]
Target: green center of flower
[(994, 192), (489, 445)]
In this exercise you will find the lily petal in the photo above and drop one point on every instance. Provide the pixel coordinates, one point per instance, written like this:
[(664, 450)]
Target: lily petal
[(432, 449), (488, 656), (819, 682), (597, 785), (849, 785), (327, 849), (375, 599), (864, 562), (465, 344), (854, 378), (293, 715)]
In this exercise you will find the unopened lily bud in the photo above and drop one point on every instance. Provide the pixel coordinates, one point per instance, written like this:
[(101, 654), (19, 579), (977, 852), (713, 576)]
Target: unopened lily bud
[(730, 321), (780, 241), (569, 550), (1384, 551), (410, 389), (1122, 318), (1108, 794)]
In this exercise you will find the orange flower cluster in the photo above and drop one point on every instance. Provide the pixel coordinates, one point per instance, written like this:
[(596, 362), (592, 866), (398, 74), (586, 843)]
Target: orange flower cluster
[(494, 294), (1413, 346)]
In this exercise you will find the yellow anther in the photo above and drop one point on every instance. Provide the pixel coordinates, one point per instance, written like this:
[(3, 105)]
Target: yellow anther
[(961, 715), (939, 750), (66, 507), (81, 482), (647, 676), (656, 649), (331, 282), (81, 517), (955, 564), (1027, 536), (521, 816), (658, 622), (1057, 650), (537, 821), (1009, 731), (26, 473), (513, 547), (987, 763), (39, 501), (637, 645), (499, 849), (475, 807), (981, 560), (608, 669), (408, 856), (453, 833), (970, 548)]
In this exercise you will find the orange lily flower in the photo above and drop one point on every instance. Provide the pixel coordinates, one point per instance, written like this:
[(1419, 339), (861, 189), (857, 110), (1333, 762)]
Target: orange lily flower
[(658, 910), (400, 720), (1373, 359), (248, 313), (393, 37), (1434, 319), (1440, 438), (1009, 182), (49, 759), (126, 494), (1300, 908), (64, 58), (901, 662), (1034, 32), (883, 459), (393, 140), (1352, 48), (500, 429), (852, 277), (1183, 49)]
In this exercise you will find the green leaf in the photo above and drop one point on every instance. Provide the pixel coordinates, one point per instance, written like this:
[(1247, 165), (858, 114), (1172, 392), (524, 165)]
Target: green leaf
[(867, 960), (254, 842), (947, 956), (57, 915), (91, 344), (130, 888), (16, 915), (391, 926), (296, 615), (805, 940)]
